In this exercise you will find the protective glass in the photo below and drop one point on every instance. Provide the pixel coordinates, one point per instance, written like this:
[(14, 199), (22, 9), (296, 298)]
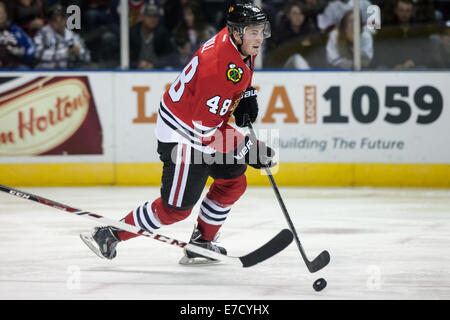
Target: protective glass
[(256, 32)]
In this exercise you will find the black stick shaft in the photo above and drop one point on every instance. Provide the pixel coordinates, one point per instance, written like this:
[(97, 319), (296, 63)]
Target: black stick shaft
[(286, 214), (281, 202)]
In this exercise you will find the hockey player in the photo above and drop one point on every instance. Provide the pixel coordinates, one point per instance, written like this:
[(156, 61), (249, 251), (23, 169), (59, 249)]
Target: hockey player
[(195, 140)]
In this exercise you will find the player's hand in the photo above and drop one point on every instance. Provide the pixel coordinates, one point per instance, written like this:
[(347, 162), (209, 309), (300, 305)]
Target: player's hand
[(247, 106), (255, 153)]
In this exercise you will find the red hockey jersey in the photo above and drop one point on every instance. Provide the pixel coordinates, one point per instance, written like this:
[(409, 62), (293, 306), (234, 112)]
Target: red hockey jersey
[(196, 108)]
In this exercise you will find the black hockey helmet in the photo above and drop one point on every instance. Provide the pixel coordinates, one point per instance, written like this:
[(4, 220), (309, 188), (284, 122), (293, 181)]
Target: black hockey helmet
[(243, 15)]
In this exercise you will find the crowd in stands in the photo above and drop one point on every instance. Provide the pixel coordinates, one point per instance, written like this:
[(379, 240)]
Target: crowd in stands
[(414, 34), (164, 34)]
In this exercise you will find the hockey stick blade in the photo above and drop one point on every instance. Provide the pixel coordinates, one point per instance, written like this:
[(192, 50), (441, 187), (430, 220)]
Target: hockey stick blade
[(271, 248), (319, 262), (275, 245)]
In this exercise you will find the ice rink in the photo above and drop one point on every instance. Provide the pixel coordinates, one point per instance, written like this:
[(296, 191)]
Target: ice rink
[(384, 244)]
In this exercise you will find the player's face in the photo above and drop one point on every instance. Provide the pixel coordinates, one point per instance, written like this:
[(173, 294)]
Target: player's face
[(252, 40)]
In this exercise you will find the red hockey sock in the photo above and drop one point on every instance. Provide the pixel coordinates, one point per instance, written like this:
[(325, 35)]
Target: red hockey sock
[(168, 215), (125, 235), (152, 218), (217, 204)]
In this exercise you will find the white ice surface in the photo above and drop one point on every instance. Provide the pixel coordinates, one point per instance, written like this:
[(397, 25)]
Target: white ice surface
[(384, 244)]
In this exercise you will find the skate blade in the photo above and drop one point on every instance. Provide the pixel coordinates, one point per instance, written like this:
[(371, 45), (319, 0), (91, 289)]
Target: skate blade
[(90, 242), (197, 261)]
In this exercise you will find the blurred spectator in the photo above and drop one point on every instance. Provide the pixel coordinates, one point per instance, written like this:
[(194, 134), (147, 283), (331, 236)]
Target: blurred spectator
[(439, 57), (443, 7), (336, 9), (173, 11), (101, 31), (16, 48), (58, 47), (397, 43), (215, 11), (293, 25), (193, 27), (421, 11), (96, 13), (401, 12), (30, 15), (425, 11), (312, 8), (134, 11), (149, 41), (135, 8), (340, 44), (296, 42), (182, 55)]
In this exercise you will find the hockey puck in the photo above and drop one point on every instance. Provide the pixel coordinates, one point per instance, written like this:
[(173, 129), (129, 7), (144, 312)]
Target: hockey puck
[(319, 284)]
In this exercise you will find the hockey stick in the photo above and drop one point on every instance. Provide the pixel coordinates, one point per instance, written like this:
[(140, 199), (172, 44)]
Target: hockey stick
[(324, 257), (269, 249)]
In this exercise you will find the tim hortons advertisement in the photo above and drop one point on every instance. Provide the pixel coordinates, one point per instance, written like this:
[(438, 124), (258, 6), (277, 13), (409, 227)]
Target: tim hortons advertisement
[(54, 115)]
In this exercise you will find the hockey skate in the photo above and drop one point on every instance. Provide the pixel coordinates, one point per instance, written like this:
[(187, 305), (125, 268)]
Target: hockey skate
[(192, 258), (102, 241)]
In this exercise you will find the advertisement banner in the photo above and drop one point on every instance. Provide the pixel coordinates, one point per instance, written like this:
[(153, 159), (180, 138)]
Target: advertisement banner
[(48, 116), (314, 117), (137, 103), (369, 117), (328, 128)]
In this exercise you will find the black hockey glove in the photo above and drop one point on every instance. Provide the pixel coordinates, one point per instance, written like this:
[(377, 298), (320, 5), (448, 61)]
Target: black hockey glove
[(255, 153), (247, 106)]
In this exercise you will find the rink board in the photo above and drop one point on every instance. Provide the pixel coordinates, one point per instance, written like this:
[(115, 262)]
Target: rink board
[(288, 174), (328, 128)]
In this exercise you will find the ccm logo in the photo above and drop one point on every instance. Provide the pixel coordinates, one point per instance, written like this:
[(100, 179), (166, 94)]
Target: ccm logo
[(19, 194)]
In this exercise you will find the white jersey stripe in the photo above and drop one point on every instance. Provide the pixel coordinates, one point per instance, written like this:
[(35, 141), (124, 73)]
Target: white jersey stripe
[(204, 131), (176, 175), (180, 122), (168, 132), (198, 129), (177, 125), (186, 160), (165, 133)]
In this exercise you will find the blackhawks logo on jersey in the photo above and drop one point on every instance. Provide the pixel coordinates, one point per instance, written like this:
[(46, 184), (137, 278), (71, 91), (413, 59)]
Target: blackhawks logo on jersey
[(234, 73)]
